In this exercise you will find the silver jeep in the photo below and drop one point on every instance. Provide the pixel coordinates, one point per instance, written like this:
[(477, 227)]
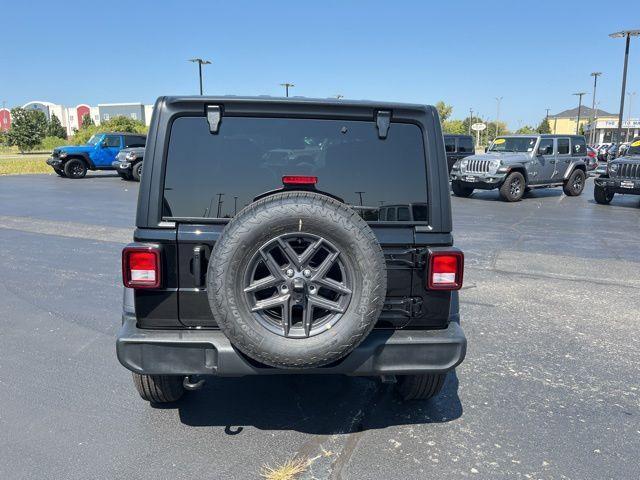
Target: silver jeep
[(517, 163)]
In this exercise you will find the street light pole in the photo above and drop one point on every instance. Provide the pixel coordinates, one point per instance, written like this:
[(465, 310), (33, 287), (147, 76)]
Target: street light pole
[(498, 100), (200, 62), (287, 86), (623, 34), (592, 133), (630, 95), (580, 95)]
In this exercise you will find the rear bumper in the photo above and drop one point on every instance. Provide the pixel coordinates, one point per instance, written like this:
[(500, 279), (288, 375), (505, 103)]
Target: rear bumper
[(209, 352), (54, 162)]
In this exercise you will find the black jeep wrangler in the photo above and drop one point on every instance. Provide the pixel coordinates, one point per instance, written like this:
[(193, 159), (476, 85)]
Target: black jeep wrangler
[(622, 175), (260, 250)]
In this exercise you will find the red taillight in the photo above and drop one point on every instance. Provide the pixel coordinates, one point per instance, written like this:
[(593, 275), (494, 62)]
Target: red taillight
[(591, 154), (445, 270), (141, 267), (299, 180)]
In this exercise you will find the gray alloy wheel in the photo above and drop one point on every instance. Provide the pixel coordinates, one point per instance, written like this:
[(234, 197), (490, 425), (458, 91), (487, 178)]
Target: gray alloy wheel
[(297, 280), (575, 183), (513, 187)]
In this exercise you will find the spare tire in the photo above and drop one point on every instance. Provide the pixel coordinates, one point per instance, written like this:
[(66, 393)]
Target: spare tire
[(296, 280)]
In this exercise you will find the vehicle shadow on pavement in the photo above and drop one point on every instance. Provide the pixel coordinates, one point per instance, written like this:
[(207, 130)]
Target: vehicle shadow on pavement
[(538, 193), (315, 404)]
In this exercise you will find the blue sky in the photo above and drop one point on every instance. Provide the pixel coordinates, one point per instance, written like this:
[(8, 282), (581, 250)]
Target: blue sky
[(465, 53)]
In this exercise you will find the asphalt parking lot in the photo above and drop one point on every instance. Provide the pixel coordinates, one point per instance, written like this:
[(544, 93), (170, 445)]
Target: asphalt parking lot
[(550, 387)]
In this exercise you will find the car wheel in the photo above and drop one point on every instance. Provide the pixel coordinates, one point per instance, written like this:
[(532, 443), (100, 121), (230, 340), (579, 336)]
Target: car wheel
[(60, 172), (575, 184), (136, 171), (420, 387), (513, 187), (459, 190), (297, 280), (159, 388), (602, 195), (75, 168)]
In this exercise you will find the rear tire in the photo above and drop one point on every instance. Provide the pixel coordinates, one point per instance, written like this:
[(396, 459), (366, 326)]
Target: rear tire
[(513, 187), (602, 195), (75, 168), (575, 184), (159, 388), (420, 387), (459, 190), (136, 171)]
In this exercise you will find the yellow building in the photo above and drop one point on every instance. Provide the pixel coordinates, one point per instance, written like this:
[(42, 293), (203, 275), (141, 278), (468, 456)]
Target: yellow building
[(565, 122)]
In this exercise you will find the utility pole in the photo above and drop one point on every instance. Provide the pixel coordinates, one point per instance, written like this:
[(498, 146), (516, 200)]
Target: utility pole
[(498, 100), (579, 95), (624, 34), (287, 86), (360, 194), (235, 205), (200, 62), (546, 117), (220, 202), (470, 119), (592, 133)]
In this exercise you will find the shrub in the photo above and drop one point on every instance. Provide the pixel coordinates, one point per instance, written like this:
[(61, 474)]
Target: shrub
[(116, 124), (49, 143)]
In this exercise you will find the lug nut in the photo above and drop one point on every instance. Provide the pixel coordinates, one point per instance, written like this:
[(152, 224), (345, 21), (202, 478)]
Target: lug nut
[(306, 272), (289, 272)]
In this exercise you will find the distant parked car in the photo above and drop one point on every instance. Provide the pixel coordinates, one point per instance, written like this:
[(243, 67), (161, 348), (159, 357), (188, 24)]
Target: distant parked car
[(602, 151), (128, 163), (591, 162), (98, 153), (457, 147)]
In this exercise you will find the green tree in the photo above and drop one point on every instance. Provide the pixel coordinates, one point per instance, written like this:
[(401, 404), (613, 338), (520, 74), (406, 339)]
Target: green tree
[(116, 124), (544, 126), (526, 130), (453, 126), (28, 128), (55, 128), (86, 121), (491, 129), (444, 111)]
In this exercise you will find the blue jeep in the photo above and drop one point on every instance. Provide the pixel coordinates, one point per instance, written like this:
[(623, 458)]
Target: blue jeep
[(98, 154)]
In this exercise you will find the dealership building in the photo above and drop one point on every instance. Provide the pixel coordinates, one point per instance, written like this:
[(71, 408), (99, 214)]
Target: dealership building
[(71, 117), (602, 125)]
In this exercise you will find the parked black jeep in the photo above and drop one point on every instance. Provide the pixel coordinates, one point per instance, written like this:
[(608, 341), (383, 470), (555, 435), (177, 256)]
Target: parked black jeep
[(259, 247), (622, 175), (457, 147)]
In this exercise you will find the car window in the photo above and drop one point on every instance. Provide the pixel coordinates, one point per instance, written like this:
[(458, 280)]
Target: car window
[(131, 141), (391, 214), (111, 141), (449, 144), (546, 146), (215, 176), (513, 144), (403, 214), (383, 214), (579, 146), (465, 144), (420, 213), (563, 146)]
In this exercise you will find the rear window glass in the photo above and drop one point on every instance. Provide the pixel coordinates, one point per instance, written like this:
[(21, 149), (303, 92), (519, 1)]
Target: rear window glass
[(216, 175), (465, 144), (579, 146), (449, 144)]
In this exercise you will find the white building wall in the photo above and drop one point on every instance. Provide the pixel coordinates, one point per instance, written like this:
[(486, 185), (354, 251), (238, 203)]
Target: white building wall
[(148, 111)]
